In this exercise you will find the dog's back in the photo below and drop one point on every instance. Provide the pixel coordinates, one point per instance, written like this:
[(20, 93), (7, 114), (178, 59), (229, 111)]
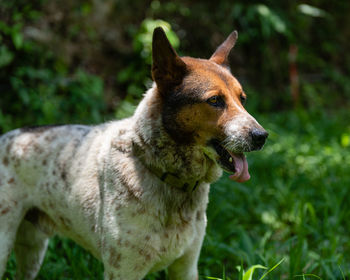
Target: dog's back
[(33, 157)]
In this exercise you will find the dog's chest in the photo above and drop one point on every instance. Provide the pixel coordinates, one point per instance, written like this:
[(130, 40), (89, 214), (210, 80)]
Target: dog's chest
[(156, 240), (170, 242)]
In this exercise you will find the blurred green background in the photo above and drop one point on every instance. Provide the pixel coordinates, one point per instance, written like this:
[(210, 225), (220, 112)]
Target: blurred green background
[(88, 61)]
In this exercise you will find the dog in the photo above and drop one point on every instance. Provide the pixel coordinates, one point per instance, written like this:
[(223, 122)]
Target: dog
[(132, 192)]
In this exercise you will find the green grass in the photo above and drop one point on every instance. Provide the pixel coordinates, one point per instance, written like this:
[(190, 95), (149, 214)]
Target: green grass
[(295, 208)]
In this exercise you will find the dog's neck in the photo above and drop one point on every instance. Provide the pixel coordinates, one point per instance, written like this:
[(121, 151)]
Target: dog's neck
[(160, 152)]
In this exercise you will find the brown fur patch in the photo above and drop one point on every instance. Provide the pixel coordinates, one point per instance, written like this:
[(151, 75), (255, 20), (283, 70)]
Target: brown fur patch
[(63, 175), (199, 215), (65, 222), (8, 148), (141, 211), (186, 114), (5, 161), (110, 276), (200, 121), (148, 257), (132, 193), (11, 180), (4, 211), (50, 137), (142, 252), (93, 228), (114, 259)]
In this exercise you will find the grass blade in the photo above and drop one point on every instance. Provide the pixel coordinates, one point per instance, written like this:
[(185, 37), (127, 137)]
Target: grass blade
[(249, 274), (308, 275), (342, 273), (271, 269)]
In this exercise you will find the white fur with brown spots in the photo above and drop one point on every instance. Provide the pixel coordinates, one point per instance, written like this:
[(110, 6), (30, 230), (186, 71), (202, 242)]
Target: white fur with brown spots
[(97, 185)]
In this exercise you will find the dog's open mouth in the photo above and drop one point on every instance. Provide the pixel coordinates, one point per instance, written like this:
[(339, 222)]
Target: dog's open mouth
[(235, 163)]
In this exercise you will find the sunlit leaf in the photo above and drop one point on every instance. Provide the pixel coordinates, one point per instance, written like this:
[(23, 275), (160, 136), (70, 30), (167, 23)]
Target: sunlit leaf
[(311, 10), (345, 140), (17, 39), (248, 275), (6, 56)]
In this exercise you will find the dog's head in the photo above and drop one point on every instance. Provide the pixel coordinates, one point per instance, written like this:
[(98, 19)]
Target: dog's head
[(203, 104)]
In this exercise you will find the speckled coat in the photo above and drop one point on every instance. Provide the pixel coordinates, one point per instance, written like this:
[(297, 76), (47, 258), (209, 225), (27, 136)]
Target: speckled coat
[(97, 185)]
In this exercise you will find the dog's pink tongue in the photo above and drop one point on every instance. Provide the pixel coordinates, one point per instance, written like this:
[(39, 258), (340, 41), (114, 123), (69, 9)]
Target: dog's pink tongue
[(241, 166)]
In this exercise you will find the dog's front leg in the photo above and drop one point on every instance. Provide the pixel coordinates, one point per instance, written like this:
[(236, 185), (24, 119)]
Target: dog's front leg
[(112, 273), (185, 267)]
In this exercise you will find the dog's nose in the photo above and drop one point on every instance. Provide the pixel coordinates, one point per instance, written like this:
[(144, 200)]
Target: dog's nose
[(258, 137)]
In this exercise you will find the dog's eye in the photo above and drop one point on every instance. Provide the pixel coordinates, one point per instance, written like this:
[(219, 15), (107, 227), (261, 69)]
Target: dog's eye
[(216, 101), (243, 99)]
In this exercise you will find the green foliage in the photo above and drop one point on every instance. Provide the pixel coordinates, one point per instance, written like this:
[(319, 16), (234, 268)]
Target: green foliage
[(37, 87)]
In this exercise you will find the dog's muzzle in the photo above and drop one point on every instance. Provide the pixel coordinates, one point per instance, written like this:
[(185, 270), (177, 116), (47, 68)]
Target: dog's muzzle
[(231, 157)]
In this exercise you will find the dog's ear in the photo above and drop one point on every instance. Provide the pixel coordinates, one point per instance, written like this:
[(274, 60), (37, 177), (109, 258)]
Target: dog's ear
[(221, 54), (168, 69)]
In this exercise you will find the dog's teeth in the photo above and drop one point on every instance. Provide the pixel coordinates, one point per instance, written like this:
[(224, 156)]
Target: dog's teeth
[(230, 159)]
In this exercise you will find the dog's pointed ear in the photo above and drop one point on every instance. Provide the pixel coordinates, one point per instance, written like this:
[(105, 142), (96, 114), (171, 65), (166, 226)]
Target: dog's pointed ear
[(221, 54), (168, 69)]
